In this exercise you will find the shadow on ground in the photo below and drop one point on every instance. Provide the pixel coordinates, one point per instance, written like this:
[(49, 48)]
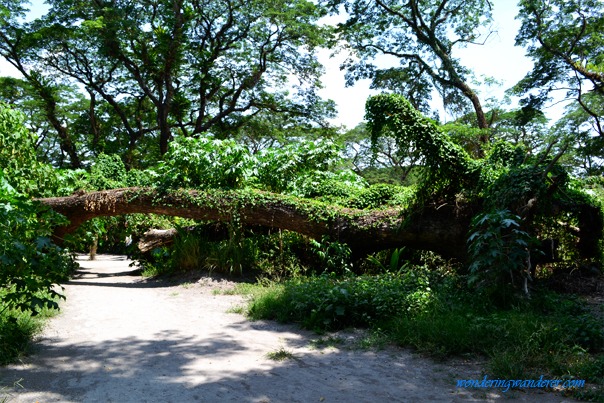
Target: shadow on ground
[(177, 368)]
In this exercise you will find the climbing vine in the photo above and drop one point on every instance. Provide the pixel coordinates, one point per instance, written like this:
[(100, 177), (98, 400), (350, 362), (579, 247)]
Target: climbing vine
[(512, 195)]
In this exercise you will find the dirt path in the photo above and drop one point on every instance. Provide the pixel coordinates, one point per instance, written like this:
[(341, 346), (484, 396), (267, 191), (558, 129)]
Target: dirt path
[(122, 339)]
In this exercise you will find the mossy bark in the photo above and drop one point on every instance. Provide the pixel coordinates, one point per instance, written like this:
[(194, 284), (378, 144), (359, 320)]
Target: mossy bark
[(441, 229)]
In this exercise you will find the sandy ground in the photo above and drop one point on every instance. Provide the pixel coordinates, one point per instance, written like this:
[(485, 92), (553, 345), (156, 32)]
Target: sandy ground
[(122, 339)]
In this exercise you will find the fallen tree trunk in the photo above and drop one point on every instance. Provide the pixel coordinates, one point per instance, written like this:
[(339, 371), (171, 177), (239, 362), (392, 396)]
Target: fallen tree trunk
[(213, 232), (155, 238), (442, 229)]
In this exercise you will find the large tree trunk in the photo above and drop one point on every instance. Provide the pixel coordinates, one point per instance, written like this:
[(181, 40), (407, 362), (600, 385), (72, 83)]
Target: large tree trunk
[(441, 229)]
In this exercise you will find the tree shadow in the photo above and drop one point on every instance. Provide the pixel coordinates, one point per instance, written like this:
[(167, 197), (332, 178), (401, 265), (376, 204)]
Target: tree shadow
[(176, 367), (221, 363)]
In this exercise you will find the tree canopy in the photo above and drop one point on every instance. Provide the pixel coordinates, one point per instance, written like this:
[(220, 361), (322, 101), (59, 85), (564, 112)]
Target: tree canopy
[(156, 69), (424, 37), (564, 38)]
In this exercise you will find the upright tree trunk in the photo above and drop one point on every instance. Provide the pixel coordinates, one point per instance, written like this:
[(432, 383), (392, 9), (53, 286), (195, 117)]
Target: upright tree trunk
[(165, 134)]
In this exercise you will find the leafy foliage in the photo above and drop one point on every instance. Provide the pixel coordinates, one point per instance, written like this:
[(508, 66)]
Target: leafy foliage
[(155, 69), (333, 256), (448, 165), (204, 163), (499, 252), (423, 36), (107, 172), (296, 167), (329, 302), (564, 39), (514, 190), (301, 169), (18, 156), (374, 196), (30, 262)]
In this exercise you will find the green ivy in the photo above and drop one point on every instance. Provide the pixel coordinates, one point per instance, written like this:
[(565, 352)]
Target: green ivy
[(107, 172), (511, 194)]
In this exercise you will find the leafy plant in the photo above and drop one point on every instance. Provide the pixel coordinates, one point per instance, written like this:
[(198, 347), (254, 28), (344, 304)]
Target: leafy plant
[(499, 252), (107, 172), (374, 196), (335, 257), (18, 159), (29, 261), (204, 163), (328, 185), (327, 302), (394, 266), (298, 167)]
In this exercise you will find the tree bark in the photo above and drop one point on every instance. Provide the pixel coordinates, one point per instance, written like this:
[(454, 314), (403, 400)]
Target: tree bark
[(443, 229), (155, 238)]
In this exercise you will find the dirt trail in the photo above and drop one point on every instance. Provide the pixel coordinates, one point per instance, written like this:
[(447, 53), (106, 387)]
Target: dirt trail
[(122, 339)]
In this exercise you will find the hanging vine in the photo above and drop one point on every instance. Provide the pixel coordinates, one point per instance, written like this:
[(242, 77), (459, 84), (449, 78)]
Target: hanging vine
[(512, 195)]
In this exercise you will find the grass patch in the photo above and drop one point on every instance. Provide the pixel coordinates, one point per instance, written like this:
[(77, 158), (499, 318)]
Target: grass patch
[(331, 303), (248, 289), (17, 329), (326, 342), (374, 339), (551, 334), (238, 309), (280, 355), (5, 391)]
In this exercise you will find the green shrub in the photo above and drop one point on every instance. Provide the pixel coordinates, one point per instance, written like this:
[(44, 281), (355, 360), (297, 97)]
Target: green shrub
[(375, 196), (16, 331), (334, 257), (499, 251), (29, 261), (107, 172), (328, 186), (328, 302), (290, 167), (204, 163)]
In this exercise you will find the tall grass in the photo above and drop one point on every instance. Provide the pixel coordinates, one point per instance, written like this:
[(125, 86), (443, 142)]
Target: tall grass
[(17, 329)]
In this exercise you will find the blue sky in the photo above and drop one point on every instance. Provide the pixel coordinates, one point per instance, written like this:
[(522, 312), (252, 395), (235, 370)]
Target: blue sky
[(497, 58)]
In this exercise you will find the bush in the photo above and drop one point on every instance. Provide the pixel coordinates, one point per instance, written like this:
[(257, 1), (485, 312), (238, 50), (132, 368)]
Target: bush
[(204, 163), (108, 172), (375, 196), (18, 160), (29, 261), (499, 251), (289, 168), (328, 302)]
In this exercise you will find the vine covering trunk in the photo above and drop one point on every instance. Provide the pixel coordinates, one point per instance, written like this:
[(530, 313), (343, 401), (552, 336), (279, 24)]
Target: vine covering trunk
[(440, 229)]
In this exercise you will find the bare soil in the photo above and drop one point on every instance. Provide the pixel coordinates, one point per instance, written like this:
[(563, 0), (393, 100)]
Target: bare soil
[(120, 338)]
